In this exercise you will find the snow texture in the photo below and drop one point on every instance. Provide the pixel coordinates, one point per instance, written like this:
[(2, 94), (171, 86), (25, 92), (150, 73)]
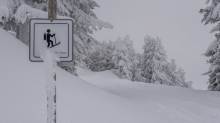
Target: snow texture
[(13, 33), (212, 46), (25, 12), (216, 28), (50, 62), (215, 12), (4, 12), (178, 105)]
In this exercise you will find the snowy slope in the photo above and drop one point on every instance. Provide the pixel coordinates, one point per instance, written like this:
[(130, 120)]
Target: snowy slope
[(103, 99), (176, 104)]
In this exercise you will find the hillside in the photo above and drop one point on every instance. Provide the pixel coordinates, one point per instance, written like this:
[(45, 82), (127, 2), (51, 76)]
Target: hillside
[(93, 97)]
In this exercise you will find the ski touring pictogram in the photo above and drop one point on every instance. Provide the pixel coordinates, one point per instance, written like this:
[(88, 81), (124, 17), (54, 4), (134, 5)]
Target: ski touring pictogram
[(49, 41)]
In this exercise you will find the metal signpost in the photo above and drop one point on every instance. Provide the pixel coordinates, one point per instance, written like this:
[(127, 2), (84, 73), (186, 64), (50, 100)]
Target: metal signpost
[(48, 37)]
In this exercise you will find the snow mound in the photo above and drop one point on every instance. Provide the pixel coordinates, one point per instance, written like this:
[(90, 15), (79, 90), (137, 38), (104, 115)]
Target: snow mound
[(104, 99), (170, 104)]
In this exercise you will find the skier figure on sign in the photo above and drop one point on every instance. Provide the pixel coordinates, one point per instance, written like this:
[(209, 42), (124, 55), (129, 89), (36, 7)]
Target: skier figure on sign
[(48, 38)]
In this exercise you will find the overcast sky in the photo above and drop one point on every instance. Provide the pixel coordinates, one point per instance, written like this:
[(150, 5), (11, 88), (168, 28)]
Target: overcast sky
[(176, 22)]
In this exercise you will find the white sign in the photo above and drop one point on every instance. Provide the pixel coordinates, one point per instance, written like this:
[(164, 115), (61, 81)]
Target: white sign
[(57, 35)]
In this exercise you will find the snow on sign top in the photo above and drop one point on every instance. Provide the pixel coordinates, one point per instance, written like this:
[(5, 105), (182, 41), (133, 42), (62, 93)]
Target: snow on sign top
[(57, 35)]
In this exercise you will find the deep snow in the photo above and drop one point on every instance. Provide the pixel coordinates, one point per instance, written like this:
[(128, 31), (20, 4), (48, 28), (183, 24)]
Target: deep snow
[(95, 97)]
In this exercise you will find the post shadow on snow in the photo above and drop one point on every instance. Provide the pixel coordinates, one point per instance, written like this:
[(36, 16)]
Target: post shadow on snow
[(47, 38)]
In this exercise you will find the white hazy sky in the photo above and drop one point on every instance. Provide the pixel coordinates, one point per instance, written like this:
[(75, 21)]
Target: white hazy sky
[(176, 22)]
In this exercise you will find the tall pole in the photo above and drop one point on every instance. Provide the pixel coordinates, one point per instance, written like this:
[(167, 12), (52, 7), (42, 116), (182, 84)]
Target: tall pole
[(52, 14)]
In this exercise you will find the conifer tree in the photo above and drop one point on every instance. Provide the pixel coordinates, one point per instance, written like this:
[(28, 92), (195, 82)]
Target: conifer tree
[(120, 58), (137, 73), (156, 68), (154, 61), (181, 75), (176, 77), (211, 15), (101, 57)]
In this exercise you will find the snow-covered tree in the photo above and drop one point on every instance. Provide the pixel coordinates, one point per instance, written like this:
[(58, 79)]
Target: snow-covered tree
[(101, 57), (156, 68), (176, 78), (213, 53), (120, 58), (171, 71), (137, 73), (154, 61), (95, 58), (211, 15), (181, 75), (133, 58), (7, 10)]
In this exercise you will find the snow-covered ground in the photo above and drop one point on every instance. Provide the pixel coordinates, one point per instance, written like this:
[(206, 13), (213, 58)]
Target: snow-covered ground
[(93, 97), (174, 104)]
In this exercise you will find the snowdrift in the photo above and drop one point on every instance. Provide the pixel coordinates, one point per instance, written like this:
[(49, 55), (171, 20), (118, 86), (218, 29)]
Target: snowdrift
[(103, 99)]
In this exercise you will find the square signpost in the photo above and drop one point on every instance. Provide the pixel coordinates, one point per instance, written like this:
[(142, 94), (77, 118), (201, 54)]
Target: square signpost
[(51, 40)]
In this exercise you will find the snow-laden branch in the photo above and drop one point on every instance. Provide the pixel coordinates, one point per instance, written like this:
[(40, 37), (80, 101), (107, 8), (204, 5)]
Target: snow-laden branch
[(62, 8), (4, 12), (207, 1), (215, 12), (25, 12), (82, 17)]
